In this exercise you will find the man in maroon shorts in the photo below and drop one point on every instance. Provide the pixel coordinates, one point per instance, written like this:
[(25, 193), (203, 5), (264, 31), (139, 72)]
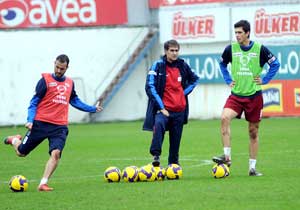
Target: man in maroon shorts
[(247, 59)]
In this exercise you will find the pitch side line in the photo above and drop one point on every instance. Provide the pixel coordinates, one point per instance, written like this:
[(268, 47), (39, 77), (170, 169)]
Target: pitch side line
[(64, 179)]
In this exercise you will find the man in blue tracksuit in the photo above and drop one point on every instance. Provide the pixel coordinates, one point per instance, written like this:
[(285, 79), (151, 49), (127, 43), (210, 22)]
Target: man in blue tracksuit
[(168, 84)]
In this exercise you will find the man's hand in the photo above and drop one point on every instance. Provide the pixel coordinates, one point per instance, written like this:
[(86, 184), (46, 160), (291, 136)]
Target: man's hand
[(232, 84), (165, 112), (28, 125), (99, 107), (258, 80)]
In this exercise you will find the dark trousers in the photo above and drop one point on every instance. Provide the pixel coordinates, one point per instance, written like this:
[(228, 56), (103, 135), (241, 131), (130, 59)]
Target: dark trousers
[(173, 123), (56, 134)]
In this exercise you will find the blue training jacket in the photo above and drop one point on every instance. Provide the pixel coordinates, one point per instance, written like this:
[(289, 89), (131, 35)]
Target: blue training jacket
[(155, 85)]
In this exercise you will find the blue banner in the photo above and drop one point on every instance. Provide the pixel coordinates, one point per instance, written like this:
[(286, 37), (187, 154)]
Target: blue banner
[(207, 65)]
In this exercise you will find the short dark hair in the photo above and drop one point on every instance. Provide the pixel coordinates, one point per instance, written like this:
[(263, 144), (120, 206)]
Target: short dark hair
[(171, 43), (63, 59), (244, 24)]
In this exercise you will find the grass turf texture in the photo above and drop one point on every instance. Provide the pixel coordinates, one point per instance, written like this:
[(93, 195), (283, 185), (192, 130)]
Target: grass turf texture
[(91, 148)]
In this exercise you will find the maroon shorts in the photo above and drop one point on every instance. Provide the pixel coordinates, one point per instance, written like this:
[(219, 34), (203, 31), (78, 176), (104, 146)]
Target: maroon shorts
[(251, 106)]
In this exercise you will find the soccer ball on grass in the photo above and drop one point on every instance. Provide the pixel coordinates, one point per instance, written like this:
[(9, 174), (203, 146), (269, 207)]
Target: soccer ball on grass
[(220, 171), (18, 183), (112, 174), (147, 173), (174, 171), (130, 174), (160, 173)]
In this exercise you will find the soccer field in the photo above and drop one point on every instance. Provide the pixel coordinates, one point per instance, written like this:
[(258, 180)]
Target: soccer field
[(91, 148)]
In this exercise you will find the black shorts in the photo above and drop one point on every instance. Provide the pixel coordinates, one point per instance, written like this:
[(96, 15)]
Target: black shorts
[(56, 134)]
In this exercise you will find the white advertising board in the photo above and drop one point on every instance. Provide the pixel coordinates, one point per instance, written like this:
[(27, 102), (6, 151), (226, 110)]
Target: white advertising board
[(194, 24), (278, 23)]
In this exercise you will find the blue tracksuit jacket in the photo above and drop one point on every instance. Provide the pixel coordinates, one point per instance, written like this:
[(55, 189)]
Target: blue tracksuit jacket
[(155, 85)]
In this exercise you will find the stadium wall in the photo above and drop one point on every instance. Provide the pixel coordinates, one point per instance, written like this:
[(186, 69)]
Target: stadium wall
[(206, 101), (202, 49), (93, 54), (95, 51)]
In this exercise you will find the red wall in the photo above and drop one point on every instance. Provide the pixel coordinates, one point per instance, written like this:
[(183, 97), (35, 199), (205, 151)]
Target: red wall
[(288, 93), (157, 3), (60, 13)]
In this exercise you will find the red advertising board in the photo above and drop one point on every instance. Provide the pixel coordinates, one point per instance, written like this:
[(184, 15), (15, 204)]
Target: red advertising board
[(61, 13), (157, 3), (282, 98)]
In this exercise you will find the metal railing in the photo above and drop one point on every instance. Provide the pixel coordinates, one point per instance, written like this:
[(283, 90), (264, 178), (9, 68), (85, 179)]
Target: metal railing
[(110, 75)]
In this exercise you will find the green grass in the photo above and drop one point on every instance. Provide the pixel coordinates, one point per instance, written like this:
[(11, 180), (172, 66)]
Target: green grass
[(91, 148)]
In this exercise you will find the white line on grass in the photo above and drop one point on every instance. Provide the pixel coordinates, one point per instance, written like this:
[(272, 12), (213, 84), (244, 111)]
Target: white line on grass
[(202, 163), (64, 179)]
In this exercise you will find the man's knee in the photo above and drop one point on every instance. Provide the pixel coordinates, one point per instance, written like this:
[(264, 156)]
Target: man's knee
[(253, 130), (55, 154), (253, 134), (20, 154)]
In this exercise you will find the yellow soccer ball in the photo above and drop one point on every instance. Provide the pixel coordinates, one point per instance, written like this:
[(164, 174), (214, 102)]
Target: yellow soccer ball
[(160, 173), (147, 173), (220, 171), (174, 171), (130, 174), (18, 183), (112, 174)]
